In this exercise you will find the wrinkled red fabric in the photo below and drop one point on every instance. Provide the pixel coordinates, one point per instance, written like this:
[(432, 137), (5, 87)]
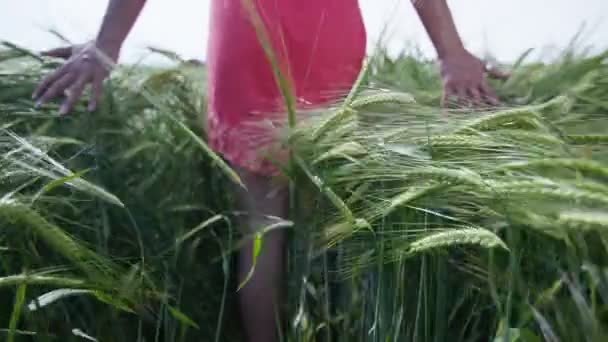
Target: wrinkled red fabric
[(319, 45)]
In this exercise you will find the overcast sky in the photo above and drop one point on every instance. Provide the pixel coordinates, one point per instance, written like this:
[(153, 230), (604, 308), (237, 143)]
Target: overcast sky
[(506, 28)]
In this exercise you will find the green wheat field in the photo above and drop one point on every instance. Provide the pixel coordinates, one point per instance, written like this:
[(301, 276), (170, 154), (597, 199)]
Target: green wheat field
[(429, 225)]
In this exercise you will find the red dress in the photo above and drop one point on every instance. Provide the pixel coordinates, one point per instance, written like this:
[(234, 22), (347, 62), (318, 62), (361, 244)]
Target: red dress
[(320, 46)]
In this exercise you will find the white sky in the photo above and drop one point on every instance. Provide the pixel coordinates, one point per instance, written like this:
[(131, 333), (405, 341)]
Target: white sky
[(506, 28)]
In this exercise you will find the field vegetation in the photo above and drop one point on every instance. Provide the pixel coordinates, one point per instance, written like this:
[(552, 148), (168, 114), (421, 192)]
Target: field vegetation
[(427, 224)]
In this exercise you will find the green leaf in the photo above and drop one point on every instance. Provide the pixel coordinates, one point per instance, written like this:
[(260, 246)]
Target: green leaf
[(257, 247), (528, 336), (180, 316), (198, 228), (219, 161), (133, 151), (19, 300), (112, 300), (504, 334), (61, 181)]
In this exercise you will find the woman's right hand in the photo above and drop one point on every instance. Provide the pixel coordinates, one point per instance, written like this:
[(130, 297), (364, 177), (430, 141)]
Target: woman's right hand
[(85, 64)]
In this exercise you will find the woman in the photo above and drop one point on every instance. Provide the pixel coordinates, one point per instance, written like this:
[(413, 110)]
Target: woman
[(319, 46)]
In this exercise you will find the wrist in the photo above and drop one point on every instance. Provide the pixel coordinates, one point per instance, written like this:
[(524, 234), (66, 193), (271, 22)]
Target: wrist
[(450, 50), (109, 47)]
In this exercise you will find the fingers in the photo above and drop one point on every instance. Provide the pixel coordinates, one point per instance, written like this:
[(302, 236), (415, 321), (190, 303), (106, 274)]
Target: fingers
[(70, 79), (73, 94), (488, 94), (458, 96), (57, 88), (62, 52), (48, 80), (469, 96), (462, 100), (475, 96), (449, 94), (96, 89), (498, 74)]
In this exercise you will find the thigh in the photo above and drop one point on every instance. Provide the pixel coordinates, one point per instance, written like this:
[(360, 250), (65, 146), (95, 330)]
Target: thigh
[(264, 202)]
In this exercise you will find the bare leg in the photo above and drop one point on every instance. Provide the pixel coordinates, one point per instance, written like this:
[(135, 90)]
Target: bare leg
[(261, 298)]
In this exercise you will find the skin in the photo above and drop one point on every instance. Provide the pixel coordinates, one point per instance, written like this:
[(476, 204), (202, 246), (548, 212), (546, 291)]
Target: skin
[(464, 82), (90, 63), (463, 74)]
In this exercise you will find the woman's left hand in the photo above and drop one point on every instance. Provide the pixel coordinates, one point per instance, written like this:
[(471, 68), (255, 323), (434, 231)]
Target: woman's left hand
[(464, 80)]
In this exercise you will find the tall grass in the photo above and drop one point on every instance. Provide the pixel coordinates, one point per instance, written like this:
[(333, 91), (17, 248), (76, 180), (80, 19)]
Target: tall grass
[(426, 224), (144, 252)]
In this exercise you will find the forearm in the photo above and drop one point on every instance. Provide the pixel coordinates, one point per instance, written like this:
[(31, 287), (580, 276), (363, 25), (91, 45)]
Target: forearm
[(439, 24), (117, 23)]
